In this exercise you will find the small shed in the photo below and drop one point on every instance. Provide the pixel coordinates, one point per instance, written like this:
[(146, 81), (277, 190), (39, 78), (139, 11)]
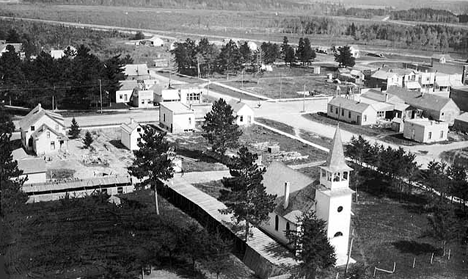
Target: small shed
[(131, 134), (243, 113), (34, 169), (156, 41)]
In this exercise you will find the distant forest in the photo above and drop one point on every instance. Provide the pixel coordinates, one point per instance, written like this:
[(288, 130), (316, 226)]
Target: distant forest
[(315, 8)]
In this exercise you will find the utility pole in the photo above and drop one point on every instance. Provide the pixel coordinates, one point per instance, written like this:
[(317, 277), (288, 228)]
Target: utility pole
[(303, 100), (100, 93), (281, 84)]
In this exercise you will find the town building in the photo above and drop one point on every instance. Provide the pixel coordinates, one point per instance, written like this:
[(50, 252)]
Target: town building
[(432, 106), (352, 111), (125, 92), (425, 130), (243, 113), (136, 71), (142, 98), (162, 94), (330, 198), (43, 131), (131, 134), (176, 117), (459, 94)]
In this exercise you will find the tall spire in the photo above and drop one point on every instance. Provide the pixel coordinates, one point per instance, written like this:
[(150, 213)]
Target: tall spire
[(336, 159)]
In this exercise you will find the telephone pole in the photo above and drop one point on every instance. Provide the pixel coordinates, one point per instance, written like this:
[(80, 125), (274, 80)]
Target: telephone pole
[(100, 94)]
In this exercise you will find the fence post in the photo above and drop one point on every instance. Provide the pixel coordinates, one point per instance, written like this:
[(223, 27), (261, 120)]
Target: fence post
[(432, 257), (414, 262), (450, 250)]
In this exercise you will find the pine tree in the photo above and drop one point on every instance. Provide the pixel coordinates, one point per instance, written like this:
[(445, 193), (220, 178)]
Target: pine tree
[(74, 129), (344, 57), (313, 250), (220, 128), (247, 198), (152, 160), (88, 140)]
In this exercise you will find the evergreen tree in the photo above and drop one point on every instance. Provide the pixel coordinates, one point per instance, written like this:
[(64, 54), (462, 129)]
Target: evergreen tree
[(113, 73), (287, 52), (230, 58), (152, 160), (300, 49), (207, 55), (74, 129), (284, 47), (344, 57), (313, 250), (12, 196), (139, 36), (270, 52), (246, 53), (246, 198), (185, 57), (88, 140), (308, 53), (220, 128)]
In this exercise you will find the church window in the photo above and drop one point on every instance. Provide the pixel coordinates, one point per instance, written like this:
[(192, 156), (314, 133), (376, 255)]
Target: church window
[(287, 226), (345, 176), (276, 222), (340, 208), (336, 177), (338, 234)]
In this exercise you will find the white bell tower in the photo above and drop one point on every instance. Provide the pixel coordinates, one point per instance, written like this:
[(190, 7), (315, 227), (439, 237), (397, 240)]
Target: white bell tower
[(333, 198)]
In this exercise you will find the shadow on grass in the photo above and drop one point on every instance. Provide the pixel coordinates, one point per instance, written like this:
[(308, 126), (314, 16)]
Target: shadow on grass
[(195, 154), (117, 144), (415, 248)]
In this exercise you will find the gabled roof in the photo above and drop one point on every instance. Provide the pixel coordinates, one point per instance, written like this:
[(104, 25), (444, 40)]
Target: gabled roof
[(44, 127), (336, 159), (35, 114), (462, 117), (136, 69), (381, 97), (349, 104), (177, 107), (418, 100), (130, 127), (128, 84), (382, 74), (32, 165), (237, 105), (301, 189), (439, 56)]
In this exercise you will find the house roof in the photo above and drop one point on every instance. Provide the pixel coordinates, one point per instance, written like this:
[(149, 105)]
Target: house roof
[(32, 165), (382, 74), (413, 85), (349, 104), (177, 107), (336, 159), (130, 127), (136, 69), (128, 84), (462, 117), (381, 97), (425, 122), (418, 100), (35, 114), (19, 154), (439, 56), (383, 106), (57, 53), (301, 189), (44, 127), (237, 105)]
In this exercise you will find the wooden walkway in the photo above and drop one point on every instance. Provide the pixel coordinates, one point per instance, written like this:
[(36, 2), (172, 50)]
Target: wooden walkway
[(263, 245)]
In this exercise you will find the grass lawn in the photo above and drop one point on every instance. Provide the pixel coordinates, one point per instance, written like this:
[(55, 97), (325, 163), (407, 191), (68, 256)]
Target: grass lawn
[(314, 138), (232, 93), (277, 125), (388, 231)]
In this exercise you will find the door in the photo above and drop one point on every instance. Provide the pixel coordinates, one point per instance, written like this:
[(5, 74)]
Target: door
[(359, 119)]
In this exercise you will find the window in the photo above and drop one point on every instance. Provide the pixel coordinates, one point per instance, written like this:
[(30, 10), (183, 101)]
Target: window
[(381, 114), (142, 102), (33, 128), (52, 145), (125, 97), (338, 234), (441, 134), (336, 176), (342, 112), (430, 135), (120, 190), (443, 113), (287, 226), (138, 130), (336, 110), (331, 108), (120, 96), (345, 176), (241, 119), (48, 134), (276, 222), (365, 118), (340, 208), (349, 114), (164, 117), (190, 120), (104, 191)]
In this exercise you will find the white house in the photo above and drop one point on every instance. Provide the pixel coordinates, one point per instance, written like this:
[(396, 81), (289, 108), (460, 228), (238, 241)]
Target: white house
[(355, 52), (425, 130), (330, 198), (156, 41), (176, 117), (42, 131), (243, 113), (130, 134), (190, 93), (351, 111), (125, 92), (162, 94)]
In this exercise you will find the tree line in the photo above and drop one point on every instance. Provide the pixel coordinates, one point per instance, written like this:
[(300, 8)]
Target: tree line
[(429, 37), (74, 81)]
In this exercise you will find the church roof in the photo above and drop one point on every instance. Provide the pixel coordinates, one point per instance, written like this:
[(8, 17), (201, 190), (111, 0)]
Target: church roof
[(336, 159)]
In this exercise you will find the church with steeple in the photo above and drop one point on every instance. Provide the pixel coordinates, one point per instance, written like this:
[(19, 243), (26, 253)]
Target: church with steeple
[(329, 196)]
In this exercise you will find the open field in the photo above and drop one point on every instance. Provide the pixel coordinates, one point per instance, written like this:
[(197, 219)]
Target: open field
[(388, 231)]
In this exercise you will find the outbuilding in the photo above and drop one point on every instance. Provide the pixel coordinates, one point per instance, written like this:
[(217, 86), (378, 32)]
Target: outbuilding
[(243, 113), (351, 111), (425, 130), (131, 134)]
